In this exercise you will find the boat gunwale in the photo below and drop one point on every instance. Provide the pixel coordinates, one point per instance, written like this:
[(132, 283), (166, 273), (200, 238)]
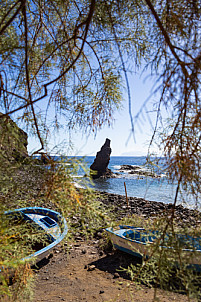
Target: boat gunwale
[(110, 229), (61, 221)]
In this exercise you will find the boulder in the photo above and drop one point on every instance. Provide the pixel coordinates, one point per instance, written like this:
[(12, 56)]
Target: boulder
[(138, 170), (129, 167), (13, 140), (99, 168)]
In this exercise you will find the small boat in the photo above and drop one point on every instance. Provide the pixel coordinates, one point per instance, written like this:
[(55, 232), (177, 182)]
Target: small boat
[(129, 239), (49, 224), (137, 242)]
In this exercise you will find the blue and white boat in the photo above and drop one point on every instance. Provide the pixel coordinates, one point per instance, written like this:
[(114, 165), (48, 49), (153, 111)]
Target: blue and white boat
[(138, 242), (129, 239), (51, 224)]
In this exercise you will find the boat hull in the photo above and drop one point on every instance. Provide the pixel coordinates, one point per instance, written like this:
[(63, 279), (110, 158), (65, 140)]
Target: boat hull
[(125, 244), (49, 222), (137, 242)]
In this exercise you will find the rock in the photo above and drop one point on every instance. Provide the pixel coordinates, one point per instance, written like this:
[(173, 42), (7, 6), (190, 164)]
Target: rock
[(13, 140), (91, 267), (99, 234), (116, 275), (144, 173), (78, 238), (137, 170), (129, 167), (150, 209), (99, 168)]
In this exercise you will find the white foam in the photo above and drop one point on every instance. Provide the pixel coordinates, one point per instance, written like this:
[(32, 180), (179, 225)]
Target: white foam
[(116, 167)]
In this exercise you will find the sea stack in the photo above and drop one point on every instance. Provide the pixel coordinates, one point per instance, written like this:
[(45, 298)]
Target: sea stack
[(99, 168)]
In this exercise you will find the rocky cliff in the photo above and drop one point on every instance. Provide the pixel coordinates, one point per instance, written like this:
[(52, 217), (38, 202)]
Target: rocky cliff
[(13, 140)]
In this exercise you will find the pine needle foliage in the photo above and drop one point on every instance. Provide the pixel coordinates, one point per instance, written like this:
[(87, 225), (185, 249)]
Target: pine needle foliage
[(53, 188), (73, 58)]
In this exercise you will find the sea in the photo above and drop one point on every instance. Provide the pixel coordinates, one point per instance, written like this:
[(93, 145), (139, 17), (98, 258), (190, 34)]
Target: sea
[(160, 188)]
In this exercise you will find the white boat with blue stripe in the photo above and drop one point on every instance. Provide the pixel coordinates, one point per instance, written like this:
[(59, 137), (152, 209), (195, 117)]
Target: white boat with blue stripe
[(51, 224), (139, 242)]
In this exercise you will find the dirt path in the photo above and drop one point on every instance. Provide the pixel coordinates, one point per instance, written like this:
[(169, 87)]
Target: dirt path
[(83, 273)]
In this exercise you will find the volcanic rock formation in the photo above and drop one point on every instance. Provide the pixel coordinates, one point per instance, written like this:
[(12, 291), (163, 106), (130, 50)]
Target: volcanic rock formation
[(13, 140), (99, 168)]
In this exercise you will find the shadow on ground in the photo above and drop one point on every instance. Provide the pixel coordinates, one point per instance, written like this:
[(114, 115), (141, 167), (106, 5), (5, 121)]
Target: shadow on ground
[(116, 263)]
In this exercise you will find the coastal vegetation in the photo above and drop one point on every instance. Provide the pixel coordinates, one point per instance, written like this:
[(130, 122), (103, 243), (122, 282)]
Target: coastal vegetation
[(67, 63)]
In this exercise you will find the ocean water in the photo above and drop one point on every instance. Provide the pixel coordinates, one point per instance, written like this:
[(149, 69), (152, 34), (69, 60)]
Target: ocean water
[(155, 189)]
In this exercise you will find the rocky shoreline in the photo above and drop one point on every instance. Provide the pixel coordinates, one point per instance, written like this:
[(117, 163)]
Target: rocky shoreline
[(32, 179), (149, 209)]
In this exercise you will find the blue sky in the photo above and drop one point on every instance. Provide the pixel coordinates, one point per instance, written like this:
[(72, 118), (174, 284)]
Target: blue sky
[(119, 133)]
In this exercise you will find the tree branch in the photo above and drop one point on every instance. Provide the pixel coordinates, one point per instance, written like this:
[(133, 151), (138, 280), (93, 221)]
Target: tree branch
[(27, 72), (87, 22), (166, 36), (31, 102), (124, 70)]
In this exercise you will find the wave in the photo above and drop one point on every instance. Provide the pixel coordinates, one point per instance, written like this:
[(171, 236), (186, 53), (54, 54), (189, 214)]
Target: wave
[(116, 167)]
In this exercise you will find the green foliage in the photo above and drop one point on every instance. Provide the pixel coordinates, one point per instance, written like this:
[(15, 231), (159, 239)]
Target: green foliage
[(17, 241), (168, 266), (72, 57), (85, 213), (50, 39), (51, 186)]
